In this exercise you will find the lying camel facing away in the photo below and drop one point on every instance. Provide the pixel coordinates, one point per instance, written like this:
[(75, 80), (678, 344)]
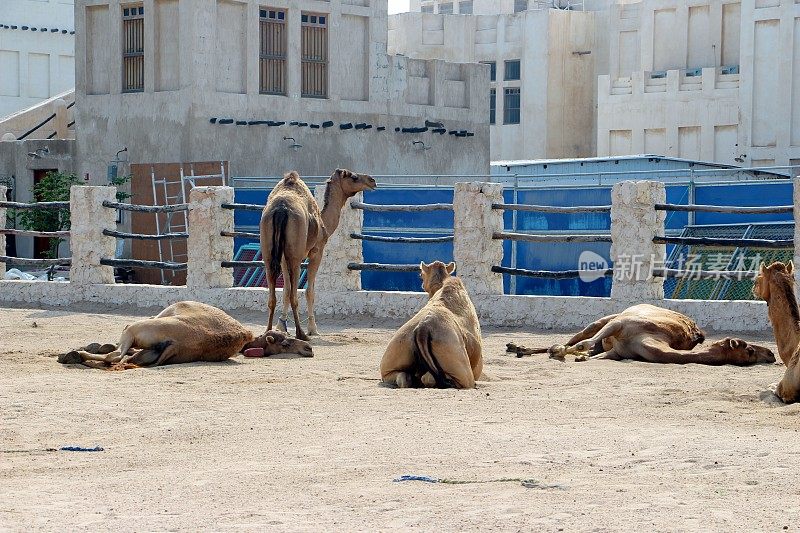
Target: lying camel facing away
[(184, 332), (650, 333), (775, 285), (441, 345)]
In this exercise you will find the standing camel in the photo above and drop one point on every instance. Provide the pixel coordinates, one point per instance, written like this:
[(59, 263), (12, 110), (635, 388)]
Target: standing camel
[(775, 285), (293, 228)]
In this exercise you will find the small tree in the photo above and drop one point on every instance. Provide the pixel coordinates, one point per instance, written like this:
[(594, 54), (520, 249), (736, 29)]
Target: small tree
[(54, 187)]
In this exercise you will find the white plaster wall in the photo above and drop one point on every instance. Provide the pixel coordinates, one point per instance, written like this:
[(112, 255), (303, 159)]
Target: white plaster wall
[(520, 312), (690, 117), (173, 124), (35, 65), (557, 85)]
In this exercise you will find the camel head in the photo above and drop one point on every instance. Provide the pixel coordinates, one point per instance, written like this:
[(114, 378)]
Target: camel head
[(352, 183), (776, 272), (743, 351), (434, 274), (275, 342)]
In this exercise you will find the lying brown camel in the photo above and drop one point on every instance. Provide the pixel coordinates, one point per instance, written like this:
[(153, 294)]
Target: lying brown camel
[(441, 345), (775, 285), (293, 228), (184, 332), (650, 333), (274, 342)]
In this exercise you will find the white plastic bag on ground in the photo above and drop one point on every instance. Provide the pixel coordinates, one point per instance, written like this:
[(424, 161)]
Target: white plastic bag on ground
[(17, 274)]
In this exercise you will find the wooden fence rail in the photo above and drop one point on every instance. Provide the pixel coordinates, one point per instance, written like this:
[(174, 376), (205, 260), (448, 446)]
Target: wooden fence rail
[(549, 238), (419, 240), (554, 208), (22, 261), (243, 264), (144, 236), (28, 233), (726, 209), (729, 243), (143, 264), (240, 234), (244, 207), (379, 267), (549, 274), (147, 208), (34, 205), (401, 208)]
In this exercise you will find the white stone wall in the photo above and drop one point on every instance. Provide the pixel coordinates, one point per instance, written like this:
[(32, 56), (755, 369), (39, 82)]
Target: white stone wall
[(206, 248), (474, 223), (634, 223), (522, 312), (36, 62), (333, 273), (88, 219)]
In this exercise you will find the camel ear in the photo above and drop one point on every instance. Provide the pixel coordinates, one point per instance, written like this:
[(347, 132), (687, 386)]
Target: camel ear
[(451, 267), (270, 339), (790, 267), (423, 267)]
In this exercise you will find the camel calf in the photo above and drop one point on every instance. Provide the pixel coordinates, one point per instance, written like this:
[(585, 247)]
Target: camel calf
[(650, 333), (441, 345), (184, 332)]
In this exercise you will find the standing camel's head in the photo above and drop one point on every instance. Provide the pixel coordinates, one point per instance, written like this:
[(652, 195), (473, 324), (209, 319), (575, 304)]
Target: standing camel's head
[(777, 272), (434, 274), (275, 342), (352, 183)]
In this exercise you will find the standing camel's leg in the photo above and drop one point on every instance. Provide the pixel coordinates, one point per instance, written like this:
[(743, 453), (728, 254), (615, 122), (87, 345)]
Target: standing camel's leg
[(789, 388), (311, 277), (294, 277), (287, 290), (273, 299)]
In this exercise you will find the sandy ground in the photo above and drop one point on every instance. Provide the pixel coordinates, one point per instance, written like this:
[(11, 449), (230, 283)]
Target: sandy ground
[(291, 444)]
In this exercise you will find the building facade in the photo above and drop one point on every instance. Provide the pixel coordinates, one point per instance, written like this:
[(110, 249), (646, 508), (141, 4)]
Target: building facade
[(543, 65), (303, 85), (37, 52)]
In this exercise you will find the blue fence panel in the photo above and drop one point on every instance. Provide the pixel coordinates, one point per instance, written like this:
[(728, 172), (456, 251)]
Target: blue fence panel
[(402, 253), (749, 194)]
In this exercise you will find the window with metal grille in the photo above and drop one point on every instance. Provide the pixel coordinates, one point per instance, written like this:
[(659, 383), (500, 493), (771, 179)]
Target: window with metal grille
[(427, 9), (272, 58), (465, 8), (520, 5), (492, 70), (446, 8), (314, 55), (132, 49), (492, 105), (512, 70), (511, 101)]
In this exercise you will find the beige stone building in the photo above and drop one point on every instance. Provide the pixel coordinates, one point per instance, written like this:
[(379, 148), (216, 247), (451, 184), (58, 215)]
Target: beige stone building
[(270, 86)]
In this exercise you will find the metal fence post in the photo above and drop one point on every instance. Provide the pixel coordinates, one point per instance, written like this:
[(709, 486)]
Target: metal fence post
[(206, 247), (88, 219), (634, 224)]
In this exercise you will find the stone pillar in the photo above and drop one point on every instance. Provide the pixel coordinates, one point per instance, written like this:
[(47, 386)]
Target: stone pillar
[(88, 244), (474, 223), (3, 190), (333, 275), (634, 223), (206, 247), (796, 186)]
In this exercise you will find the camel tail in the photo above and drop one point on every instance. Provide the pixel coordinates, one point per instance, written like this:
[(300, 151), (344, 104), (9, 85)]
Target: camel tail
[(426, 360), (280, 219)]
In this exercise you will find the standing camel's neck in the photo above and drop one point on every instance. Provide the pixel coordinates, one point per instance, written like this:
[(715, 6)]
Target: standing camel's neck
[(332, 210), (784, 317)]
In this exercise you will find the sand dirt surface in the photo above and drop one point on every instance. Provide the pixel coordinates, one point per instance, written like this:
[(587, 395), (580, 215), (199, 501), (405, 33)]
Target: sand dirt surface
[(292, 444)]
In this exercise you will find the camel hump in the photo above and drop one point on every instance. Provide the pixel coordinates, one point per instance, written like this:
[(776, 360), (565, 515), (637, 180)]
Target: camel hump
[(291, 177)]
